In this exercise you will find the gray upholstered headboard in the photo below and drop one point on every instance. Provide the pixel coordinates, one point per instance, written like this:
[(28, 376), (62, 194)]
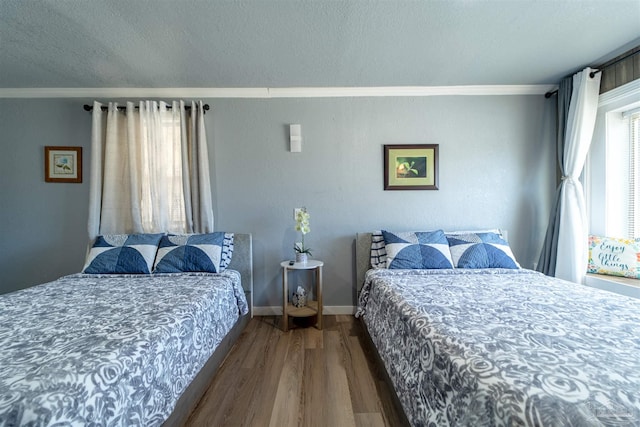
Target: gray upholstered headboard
[(363, 257), (242, 261), (363, 254)]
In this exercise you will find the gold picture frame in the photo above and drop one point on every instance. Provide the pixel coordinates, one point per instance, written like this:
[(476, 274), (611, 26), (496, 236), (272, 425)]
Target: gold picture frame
[(63, 164), (411, 167)]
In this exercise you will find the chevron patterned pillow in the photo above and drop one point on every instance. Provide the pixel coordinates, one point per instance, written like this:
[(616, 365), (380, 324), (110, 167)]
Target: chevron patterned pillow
[(481, 250), (194, 252), (417, 250), (122, 254)]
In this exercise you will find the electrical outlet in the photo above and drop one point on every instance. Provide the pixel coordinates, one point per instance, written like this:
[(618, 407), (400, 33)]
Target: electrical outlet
[(296, 211)]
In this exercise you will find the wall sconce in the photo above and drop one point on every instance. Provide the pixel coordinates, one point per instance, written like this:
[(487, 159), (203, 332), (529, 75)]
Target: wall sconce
[(295, 138)]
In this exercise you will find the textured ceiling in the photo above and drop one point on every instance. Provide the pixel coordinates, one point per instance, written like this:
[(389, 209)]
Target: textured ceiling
[(278, 43)]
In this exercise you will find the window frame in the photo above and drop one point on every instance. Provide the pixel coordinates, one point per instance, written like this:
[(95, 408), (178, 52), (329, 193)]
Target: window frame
[(608, 127)]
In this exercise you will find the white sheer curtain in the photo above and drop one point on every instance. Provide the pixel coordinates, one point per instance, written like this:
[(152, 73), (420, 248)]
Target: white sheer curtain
[(573, 231), (149, 170)]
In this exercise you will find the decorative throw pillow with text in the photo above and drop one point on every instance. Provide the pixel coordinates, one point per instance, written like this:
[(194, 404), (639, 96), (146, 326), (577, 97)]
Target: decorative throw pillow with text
[(613, 256)]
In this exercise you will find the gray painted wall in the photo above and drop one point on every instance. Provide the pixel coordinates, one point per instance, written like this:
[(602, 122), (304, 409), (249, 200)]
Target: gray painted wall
[(496, 170), (43, 225)]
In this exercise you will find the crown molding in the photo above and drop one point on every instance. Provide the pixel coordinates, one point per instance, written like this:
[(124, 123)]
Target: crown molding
[(390, 91), (290, 92), (126, 92)]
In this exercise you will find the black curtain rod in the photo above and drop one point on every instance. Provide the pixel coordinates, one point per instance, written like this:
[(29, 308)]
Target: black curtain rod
[(553, 92), (599, 69), (88, 107)]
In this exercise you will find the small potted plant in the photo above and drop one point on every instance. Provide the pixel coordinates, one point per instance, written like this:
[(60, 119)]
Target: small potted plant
[(302, 225)]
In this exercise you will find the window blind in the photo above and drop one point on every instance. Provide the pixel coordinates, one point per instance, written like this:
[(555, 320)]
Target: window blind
[(634, 172)]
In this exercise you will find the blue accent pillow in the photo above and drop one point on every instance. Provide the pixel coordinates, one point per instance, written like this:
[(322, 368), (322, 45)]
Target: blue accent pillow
[(417, 250), (122, 254), (194, 252), (481, 250)]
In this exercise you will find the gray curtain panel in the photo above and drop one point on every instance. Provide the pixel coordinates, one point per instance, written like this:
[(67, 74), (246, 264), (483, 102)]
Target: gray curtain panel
[(547, 261)]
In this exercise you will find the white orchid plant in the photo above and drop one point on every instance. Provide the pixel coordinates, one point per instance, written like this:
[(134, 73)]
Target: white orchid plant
[(302, 225)]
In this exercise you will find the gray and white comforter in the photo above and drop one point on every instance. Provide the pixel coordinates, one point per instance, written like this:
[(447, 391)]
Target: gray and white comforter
[(114, 350), (504, 348)]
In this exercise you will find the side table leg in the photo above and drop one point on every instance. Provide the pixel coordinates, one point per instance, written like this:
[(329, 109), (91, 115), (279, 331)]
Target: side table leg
[(319, 286), (285, 318)]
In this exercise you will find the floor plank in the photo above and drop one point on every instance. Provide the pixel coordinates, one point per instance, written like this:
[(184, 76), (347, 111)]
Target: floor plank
[(313, 338), (369, 420), (338, 396), (304, 377), (314, 395), (286, 408)]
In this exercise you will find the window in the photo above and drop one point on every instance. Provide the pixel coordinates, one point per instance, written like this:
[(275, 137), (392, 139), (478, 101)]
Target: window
[(613, 175), (151, 170), (161, 178), (622, 174)]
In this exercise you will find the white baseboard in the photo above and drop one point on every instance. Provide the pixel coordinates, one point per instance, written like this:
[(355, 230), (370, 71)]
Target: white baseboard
[(331, 310), (267, 311)]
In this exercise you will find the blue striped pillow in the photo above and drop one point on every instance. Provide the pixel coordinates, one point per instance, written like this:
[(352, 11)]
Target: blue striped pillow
[(378, 252), (227, 251), (417, 250)]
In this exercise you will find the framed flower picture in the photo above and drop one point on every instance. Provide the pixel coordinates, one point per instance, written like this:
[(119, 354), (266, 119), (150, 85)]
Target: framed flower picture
[(411, 167), (63, 164)]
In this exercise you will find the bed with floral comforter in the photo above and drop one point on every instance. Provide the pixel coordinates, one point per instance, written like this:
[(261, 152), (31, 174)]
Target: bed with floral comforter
[(504, 347), (114, 350)]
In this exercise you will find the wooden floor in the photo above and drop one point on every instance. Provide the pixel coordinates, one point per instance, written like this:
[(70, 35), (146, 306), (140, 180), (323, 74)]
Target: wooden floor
[(304, 377)]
